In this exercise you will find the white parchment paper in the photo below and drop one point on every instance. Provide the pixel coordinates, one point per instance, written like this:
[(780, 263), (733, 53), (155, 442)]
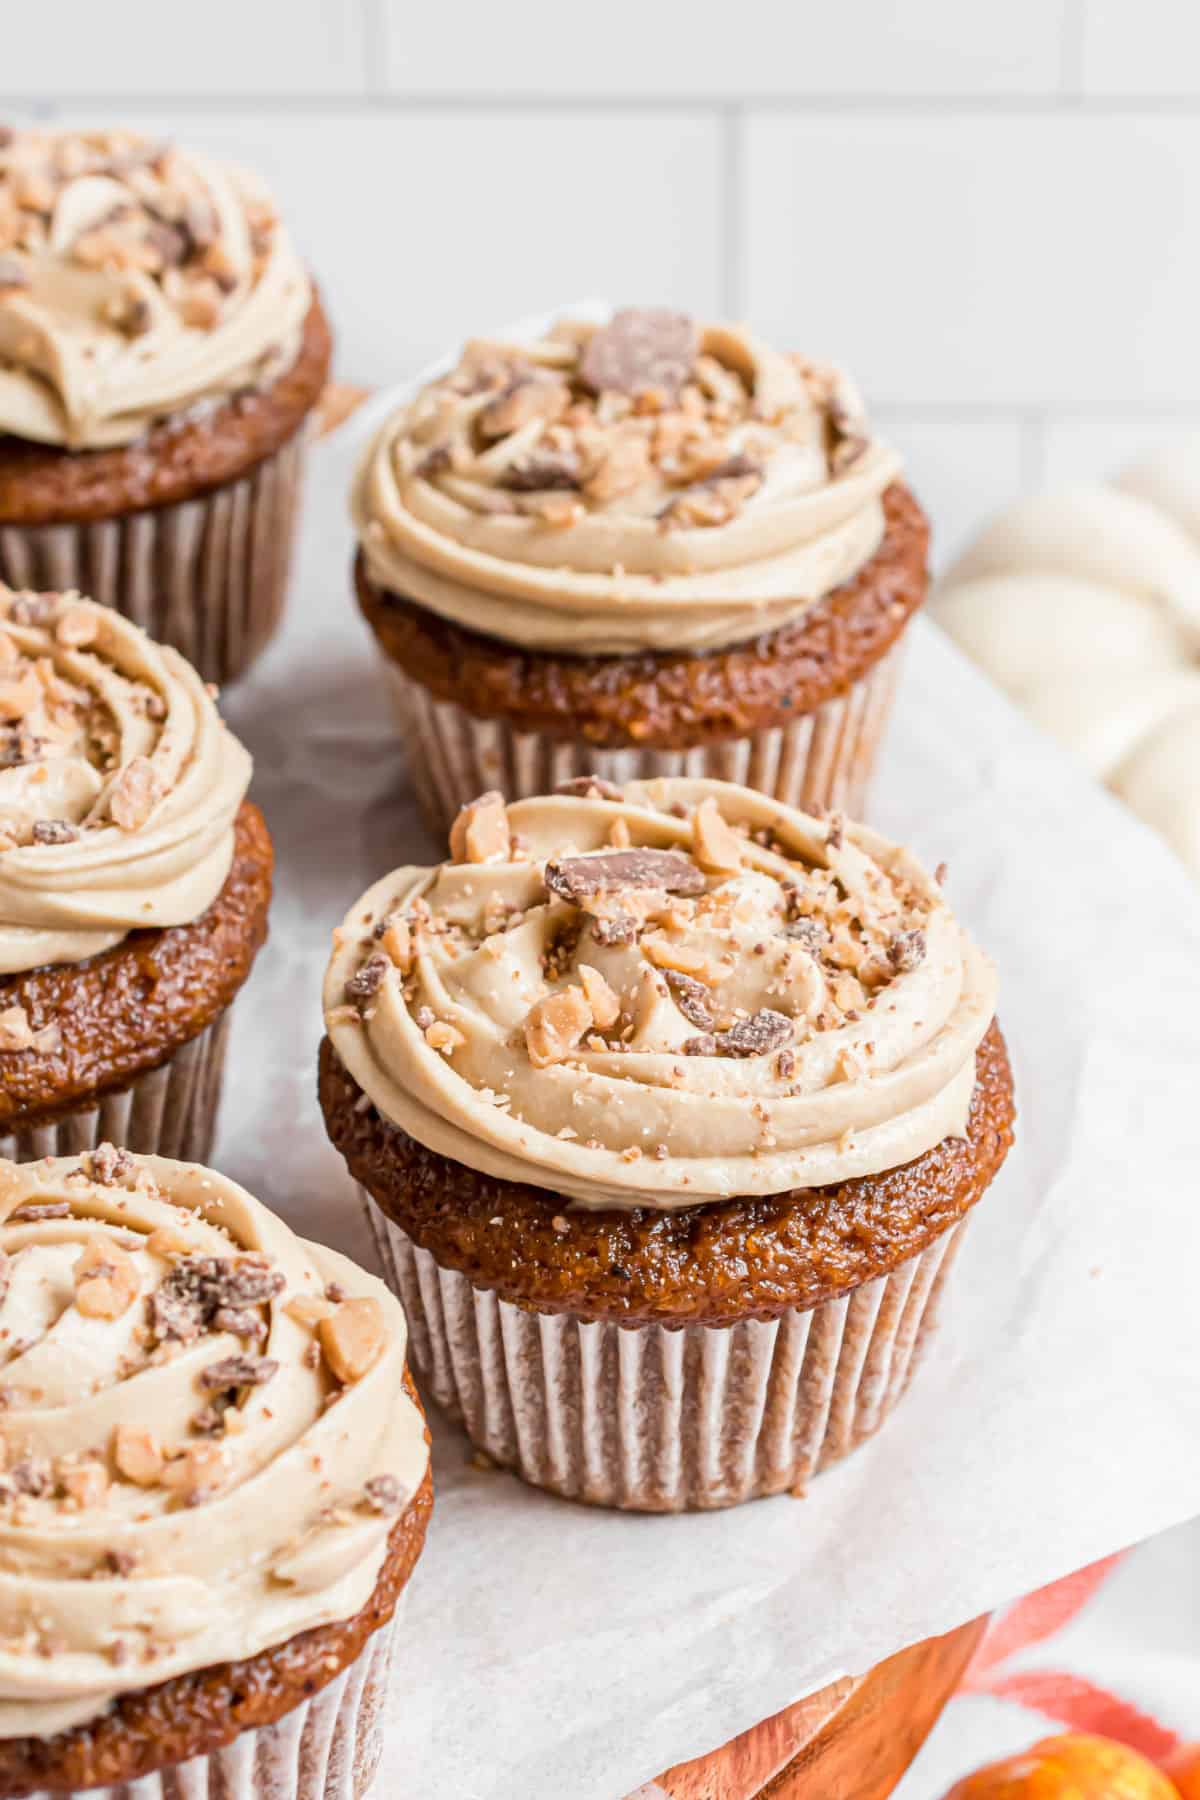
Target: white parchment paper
[(560, 1653)]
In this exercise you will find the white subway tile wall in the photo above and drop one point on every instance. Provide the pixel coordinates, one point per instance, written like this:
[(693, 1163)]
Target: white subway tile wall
[(984, 210)]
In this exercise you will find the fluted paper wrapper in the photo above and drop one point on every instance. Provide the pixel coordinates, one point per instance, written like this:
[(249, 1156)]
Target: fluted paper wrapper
[(170, 1111), (822, 759), (208, 576), (326, 1749), (652, 1419)]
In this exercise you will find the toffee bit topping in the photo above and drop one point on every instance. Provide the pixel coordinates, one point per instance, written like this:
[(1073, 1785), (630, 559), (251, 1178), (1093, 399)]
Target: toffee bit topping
[(135, 794), (906, 951), (812, 933), (526, 398), (238, 1371), (849, 438), (717, 499), (590, 787), (719, 849), (554, 1026), (383, 1494), (692, 999), (106, 1281), (109, 1165), (240, 1321), (138, 1455), (578, 879), (34, 1211), (480, 833), (54, 831), (541, 474), (31, 1477), (199, 1473), (619, 928), (198, 1288), (762, 1032), (353, 1338), (367, 979), (641, 348), (605, 1004)]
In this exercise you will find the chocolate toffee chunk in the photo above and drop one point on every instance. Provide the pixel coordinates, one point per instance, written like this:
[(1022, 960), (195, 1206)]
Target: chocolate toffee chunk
[(582, 878), (641, 349)]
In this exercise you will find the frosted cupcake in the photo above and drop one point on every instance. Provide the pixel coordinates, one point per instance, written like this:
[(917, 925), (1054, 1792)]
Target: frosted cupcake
[(669, 1105), (161, 348), (215, 1488), (656, 547), (134, 885)]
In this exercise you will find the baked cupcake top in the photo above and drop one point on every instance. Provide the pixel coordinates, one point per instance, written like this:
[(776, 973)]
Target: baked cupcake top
[(661, 995), (119, 784), (649, 483), (136, 280), (206, 1440)]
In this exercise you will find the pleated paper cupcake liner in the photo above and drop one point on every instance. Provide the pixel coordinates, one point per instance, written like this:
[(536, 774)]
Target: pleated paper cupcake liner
[(664, 1420), (170, 1111), (823, 758), (208, 576), (328, 1748)]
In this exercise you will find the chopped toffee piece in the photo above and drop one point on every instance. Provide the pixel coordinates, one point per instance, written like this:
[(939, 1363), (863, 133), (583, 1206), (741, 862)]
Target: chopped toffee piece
[(906, 951), (578, 879), (238, 1371), (480, 832), (763, 1031), (367, 980), (692, 999), (641, 348), (353, 1338)]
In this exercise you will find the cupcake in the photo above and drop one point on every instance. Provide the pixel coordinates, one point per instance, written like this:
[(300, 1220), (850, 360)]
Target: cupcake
[(669, 1105), (203, 1556), (648, 548), (134, 885), (161, 348)]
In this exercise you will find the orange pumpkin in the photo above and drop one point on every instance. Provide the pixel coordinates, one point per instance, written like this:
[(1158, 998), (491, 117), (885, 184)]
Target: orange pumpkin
[(1184, 1769), (1070, 1767)]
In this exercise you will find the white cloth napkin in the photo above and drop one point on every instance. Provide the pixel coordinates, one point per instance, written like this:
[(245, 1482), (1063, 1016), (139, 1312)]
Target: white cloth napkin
[(554, 1650)]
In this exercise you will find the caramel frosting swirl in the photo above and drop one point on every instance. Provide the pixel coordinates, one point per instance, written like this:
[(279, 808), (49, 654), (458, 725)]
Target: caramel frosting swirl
[(177, 1490), (661, 995), (647, 484), (136, 281), (119, 783)]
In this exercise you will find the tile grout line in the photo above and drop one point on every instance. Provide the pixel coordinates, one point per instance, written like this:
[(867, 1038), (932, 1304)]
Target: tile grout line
[(375, 100), (1072, 56), (375, 47)]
